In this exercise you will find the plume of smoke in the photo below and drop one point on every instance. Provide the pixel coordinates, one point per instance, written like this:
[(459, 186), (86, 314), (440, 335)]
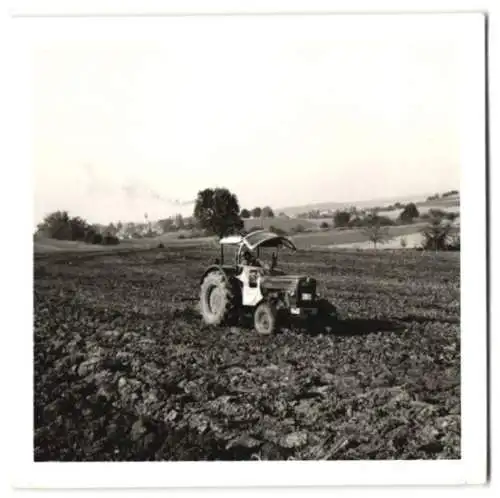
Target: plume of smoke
[(137, 190), (134, 190)]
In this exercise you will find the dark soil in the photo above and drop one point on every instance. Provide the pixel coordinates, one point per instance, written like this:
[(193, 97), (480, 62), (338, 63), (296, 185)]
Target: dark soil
[(125, 370)]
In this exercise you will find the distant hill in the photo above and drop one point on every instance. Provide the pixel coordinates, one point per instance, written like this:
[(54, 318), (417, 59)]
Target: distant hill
[(386, 201)]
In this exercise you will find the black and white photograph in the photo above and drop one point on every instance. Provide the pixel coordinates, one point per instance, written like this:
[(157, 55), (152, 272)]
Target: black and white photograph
[(247, 239)]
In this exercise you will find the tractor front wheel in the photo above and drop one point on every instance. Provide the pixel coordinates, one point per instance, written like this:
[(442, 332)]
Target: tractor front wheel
[(265, 318)]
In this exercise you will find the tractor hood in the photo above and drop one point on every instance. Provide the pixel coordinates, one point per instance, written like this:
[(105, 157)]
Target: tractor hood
[(287, 283)]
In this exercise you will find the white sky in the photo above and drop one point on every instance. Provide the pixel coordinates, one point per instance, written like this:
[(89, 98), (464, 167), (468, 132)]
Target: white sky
[(282, 111)]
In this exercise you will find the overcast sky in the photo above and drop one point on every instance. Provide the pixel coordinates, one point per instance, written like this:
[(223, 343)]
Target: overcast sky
[(280, 111)]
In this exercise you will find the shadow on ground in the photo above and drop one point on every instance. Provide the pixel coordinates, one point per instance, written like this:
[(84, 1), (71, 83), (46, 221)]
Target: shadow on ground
[(361, 326)]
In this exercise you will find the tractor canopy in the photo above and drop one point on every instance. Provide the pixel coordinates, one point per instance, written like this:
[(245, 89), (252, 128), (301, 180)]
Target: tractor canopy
[(259, 238), (254, 241), (265, 238)]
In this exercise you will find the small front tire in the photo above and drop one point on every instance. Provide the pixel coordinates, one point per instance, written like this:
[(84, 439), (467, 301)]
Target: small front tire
[(265, 318)]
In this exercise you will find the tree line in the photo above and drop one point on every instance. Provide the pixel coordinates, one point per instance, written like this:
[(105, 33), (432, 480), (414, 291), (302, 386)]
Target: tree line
[(217, 212), (61, 226)]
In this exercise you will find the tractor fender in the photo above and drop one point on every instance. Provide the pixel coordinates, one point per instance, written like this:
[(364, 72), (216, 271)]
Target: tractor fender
[(227, 271), (212, 268)]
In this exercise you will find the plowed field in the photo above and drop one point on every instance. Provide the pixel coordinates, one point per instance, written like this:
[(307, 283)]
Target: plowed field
[(125, 370)]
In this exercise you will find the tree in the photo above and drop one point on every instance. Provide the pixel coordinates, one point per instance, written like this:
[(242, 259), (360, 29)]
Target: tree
[(111, 229), (436, 234), (267, 212), (56, 225), (59, 225), (375, 232), (245, 214), (341, 218), (217, 211), (409, 213), (256, 212)]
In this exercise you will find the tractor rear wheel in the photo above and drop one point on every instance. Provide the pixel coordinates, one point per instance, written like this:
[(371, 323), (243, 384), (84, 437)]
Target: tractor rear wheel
[(218, 300), (265, 318)]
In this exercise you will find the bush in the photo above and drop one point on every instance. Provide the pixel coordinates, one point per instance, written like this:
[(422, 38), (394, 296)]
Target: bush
[(96, 238), (298, 228), (370, 220), (277, 231), (454, 244), (161, 245), (341, 218), (409, 213), (385, 221), (437, 213), (324, 225), (452, 215), (436, 235), (110, 240), (355, 222)]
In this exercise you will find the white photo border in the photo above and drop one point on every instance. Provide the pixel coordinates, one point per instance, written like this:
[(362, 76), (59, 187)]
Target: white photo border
[(470, 469)]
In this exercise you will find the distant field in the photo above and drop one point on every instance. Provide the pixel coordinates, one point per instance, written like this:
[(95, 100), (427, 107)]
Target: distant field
[(46, 245), (49, 246), (282, 223), (337, 237)]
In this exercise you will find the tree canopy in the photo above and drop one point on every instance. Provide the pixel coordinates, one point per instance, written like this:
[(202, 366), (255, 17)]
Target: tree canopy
[(217, 211), (267, 212), (256, 212), (409, 213)]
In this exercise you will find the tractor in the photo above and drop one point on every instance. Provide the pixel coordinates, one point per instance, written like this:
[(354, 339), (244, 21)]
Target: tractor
[(250, 285)]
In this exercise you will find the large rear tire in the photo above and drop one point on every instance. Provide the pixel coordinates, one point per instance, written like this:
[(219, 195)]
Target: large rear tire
[(265, 318), (218, 299)]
